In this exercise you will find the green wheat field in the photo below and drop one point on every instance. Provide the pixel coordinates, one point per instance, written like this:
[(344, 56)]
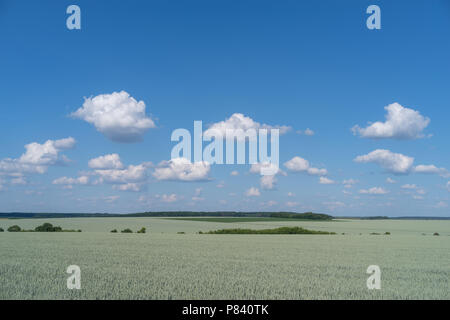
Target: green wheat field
[(173, 261)]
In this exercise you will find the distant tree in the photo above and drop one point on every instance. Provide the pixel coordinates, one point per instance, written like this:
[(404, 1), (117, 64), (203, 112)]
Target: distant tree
[(48, 227), (1, 230), (435, 234), (127, 231), (14, 228), (142, 230), (114, 231)]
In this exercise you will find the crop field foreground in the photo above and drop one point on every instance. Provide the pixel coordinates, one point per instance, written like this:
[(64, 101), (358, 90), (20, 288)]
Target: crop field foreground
[(162, 264)]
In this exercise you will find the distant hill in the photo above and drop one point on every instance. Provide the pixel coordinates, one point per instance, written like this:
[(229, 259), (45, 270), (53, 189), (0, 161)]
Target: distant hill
[(288, 215)]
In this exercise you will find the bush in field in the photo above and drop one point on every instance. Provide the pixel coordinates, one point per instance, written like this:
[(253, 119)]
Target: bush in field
[(281, 230), (14, 228), (1, 230), (114, 231), (142, 230), (48, 227), (435, 234), (387, 233), (127, 230)]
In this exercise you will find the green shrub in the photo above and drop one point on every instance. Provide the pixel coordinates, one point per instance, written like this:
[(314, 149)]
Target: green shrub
[(281, 230), (48, 227), (14, 228), (127, 230), (435, 234), (1, 230), (181, 232), (114, 231), (387, 233), (142, 230)]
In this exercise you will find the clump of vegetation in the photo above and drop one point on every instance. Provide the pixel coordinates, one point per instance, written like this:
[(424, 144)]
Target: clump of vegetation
[(377, 234), (142, 230), (48, 227), (181, 232), (435, 234), (281, 230), (14, 228), (127, 230), (114, 231), (1, 230)]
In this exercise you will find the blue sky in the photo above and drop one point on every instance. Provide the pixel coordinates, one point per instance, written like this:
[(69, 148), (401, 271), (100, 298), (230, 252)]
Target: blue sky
[(306, 65)]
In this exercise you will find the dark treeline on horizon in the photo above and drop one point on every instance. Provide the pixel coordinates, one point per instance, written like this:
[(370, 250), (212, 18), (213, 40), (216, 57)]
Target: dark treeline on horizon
[(281, 214), (292, 215)]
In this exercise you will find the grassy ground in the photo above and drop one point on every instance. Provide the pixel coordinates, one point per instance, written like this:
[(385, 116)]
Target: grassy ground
[(165, 265)]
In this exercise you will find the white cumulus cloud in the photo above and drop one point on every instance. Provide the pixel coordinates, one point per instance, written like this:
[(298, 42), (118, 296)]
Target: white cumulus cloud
[(325, 180), (237, 122), (409, 186), (298, 164), (252, 192), (83, 180), (168, 198), (130, 186), (118, 116), (268, 182), (374, 190), (401, 123), (432, 169), (392, 162), (37, 158), (132, 173), (109, 169), (307, 132), (390, 180), (182, 169), (108, 161)]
